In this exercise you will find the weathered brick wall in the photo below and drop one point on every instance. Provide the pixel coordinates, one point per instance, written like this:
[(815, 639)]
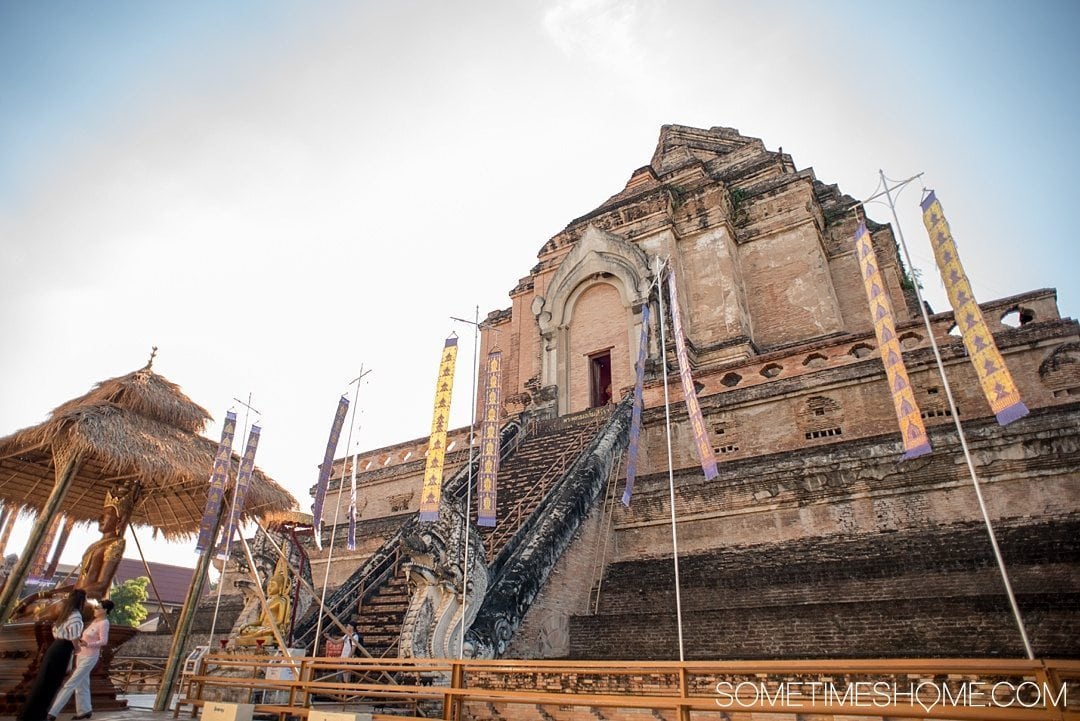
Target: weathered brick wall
[(943, 627), (769, 412), (789, 288), (1029, 469), (932, 592), (545, 631)]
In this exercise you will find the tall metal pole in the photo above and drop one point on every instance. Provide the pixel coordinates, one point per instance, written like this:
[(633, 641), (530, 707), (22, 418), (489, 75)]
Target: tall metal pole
[(670, 465), (956, 421), (468, 490), (337, 513)]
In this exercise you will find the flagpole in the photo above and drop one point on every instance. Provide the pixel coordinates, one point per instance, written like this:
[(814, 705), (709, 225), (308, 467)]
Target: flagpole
[(468, 489), (229, 528), (337, 512), (956, 415), (670, 466)]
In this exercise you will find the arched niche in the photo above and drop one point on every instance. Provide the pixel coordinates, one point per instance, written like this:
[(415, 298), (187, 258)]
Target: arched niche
[(600, 264)]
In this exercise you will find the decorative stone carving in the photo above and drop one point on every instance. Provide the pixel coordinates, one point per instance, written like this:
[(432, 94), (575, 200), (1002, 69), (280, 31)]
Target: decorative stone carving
[(436, 616), (596, 253)]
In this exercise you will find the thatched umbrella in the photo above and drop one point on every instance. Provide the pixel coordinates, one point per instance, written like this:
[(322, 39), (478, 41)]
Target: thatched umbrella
[(136, 429)]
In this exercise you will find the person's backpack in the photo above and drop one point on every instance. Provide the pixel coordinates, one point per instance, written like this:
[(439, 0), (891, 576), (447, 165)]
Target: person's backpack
[(357, 642)]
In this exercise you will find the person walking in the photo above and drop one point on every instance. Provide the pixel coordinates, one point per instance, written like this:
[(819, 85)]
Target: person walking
[(94, 638), (66, 631)]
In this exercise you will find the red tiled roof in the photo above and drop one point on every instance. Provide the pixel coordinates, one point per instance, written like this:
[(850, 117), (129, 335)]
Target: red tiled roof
[(172, 581)]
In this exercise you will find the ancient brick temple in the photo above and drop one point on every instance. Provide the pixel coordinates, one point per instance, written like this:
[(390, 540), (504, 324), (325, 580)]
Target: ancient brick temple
[(816, 540)]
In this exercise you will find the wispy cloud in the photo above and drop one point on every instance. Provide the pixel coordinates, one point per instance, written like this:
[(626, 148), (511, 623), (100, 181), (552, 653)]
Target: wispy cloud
[(602, 31)]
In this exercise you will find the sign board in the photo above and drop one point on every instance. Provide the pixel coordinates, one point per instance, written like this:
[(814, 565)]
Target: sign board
[(283, 670), (191, 663), (222, 711), (315, 715)]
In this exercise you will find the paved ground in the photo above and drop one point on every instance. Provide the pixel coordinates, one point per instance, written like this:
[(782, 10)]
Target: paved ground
[(140, 708)]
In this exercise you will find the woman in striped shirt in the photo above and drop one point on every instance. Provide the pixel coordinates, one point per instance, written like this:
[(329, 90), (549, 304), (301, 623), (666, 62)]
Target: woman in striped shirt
[(54, 664), (94, 637)]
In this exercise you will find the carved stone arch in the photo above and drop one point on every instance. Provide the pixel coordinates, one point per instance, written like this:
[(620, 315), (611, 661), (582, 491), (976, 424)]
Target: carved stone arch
[(1060, 370), (597, 257)]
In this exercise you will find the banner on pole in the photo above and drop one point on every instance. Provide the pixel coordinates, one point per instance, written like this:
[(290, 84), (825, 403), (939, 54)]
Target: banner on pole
[(486, 481), (243, 481), (351, 543), (916, 442), (693, 410), (218, 477), (433, 468), (326, 467), (994, 377), (635, 415)]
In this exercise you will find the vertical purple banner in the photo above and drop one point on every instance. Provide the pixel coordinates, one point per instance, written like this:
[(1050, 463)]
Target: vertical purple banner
[(243, 481), (635, 417), (487, 495), (326, 467), (693, 410), (218, 476)]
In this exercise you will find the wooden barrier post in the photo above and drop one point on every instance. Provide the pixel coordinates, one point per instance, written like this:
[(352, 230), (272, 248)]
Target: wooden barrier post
[(452, 701), (683, 711)]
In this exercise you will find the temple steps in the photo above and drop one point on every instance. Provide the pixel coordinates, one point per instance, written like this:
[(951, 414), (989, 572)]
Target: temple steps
[(538, 462), (379, 619)]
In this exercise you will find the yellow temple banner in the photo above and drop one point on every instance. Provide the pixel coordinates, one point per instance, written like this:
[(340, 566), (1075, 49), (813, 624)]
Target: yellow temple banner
[(916, 442), (994, 377), (436, 452)]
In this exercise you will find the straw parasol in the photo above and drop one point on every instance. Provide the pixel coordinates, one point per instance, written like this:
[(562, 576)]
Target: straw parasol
[(139, 428)]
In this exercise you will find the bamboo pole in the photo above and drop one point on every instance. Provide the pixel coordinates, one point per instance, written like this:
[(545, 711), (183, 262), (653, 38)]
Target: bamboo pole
[(187, 616), (10, 595), (150, 576)]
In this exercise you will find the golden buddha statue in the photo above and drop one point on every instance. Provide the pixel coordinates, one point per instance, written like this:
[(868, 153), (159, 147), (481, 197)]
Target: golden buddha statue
[(98, 565), (278, 607)]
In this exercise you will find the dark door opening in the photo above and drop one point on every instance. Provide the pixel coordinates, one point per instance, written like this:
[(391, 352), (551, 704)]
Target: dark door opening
[(600, 379)]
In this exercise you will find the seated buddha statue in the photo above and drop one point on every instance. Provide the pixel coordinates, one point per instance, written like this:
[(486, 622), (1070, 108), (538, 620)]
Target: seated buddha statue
[(97, 568), (276, 613)]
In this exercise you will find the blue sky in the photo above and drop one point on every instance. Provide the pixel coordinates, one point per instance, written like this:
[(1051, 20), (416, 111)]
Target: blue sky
[(272, 191)]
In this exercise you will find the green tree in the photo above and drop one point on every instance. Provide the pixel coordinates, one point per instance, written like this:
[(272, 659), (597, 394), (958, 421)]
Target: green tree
[(129, 598)]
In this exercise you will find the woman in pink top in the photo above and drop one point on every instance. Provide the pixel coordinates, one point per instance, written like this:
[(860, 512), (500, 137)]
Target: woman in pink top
[(88, 650)]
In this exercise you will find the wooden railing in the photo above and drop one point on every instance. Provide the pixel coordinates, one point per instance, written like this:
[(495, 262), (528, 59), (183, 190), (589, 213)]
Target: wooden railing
[(985, 689), (136, 674)]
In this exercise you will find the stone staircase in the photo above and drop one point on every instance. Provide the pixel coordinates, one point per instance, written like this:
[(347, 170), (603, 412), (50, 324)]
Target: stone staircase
[(384, 568), (551, 472), (550, 506), (381, 615), (525, 477)]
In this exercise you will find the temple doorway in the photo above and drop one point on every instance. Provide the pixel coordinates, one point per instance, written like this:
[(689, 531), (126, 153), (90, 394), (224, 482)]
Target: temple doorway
[(600, 379)]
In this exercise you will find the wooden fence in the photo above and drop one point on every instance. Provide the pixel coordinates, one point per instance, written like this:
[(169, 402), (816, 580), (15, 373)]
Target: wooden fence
[(985, 689)]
